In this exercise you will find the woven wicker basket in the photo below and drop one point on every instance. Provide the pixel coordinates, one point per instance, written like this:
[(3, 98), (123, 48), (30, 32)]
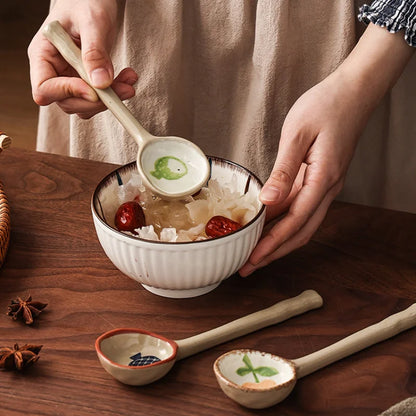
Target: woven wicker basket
[(4, 208), (4, 225)]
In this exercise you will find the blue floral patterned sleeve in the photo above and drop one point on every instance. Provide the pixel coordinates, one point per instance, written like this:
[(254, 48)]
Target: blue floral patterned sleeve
[(394, 15)]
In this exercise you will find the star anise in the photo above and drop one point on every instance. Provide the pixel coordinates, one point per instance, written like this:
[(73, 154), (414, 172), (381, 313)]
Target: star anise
[(25, 309), (17, 358)]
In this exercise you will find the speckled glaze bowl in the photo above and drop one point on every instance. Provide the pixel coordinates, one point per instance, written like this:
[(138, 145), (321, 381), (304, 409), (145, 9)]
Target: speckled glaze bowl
[(180, 269)]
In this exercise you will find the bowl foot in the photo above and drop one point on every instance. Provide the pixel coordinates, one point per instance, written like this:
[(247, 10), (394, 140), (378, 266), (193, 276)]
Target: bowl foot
[(181, 293)]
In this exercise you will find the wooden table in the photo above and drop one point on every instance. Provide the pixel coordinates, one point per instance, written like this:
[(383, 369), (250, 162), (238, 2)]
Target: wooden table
[(362, 262)]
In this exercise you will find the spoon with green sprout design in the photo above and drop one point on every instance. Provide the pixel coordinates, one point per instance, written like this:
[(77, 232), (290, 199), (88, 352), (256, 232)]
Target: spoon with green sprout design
[(264, 371), (170, 166), (275, 377)]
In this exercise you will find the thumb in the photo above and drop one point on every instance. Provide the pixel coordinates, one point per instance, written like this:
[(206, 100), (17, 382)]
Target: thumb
[(285, 170), (278, 186), (95, 55)]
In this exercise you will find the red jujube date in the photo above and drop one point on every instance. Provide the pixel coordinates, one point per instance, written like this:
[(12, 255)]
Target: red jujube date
[(129, 216), (219, 225)]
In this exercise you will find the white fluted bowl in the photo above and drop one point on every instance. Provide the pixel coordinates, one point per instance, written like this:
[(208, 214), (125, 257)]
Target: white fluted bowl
[(184, 269)]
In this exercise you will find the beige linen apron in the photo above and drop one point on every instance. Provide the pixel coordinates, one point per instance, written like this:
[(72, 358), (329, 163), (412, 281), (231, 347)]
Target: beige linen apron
[(224, 73)]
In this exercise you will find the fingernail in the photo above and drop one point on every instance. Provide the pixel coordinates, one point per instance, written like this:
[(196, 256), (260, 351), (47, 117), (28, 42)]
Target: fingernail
[(100, 78), (246, 270), (270, 193)]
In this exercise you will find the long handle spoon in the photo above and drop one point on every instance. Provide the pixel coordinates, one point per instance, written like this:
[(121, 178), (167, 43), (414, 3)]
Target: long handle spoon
[(170, 166), (138, 357), (233, 368)]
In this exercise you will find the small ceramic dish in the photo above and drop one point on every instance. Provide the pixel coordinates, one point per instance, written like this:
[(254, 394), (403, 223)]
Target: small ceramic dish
[(179, 269)]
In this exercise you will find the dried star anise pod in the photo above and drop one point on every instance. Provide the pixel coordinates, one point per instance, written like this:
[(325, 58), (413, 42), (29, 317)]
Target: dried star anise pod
[(17, 358), (25, 309)]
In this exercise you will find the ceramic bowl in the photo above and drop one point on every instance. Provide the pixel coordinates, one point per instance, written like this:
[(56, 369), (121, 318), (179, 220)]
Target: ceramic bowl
[(179, 269)]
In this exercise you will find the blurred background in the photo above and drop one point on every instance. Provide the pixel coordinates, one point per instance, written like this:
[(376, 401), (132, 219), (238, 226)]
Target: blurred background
[(19, 20)]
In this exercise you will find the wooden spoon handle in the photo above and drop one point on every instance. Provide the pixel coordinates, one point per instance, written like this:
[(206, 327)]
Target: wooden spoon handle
[(373, 334), (59, 38), (279, 312)]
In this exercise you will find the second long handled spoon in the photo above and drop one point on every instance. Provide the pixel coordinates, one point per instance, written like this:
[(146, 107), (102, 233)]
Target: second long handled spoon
[(275, 377)]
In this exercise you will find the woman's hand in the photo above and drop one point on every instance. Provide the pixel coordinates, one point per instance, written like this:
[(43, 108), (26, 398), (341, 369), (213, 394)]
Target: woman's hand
[(318, 139), (92, 25), (316, 146)]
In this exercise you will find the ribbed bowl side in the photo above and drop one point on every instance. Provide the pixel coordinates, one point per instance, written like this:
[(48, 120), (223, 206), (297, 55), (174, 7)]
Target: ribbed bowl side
[(181, 266)]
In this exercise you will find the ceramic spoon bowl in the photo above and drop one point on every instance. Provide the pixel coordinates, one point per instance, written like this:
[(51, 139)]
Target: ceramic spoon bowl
[(258, 380), (138, 357), (171, 167)]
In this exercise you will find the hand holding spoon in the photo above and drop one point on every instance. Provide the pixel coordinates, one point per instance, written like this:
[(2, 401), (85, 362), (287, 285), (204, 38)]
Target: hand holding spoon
[(138, 357), (171, 167), (278, 375)]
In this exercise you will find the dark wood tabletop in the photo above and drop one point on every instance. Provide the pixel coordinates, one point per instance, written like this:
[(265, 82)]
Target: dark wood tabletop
[(362, 261)]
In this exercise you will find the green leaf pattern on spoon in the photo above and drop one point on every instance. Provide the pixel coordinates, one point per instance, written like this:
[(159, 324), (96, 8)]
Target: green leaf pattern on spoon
[(170, 168), (249, 368)]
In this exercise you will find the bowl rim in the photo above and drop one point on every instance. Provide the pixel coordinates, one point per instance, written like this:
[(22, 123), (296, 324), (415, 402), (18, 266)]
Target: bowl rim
[(173, 243)]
